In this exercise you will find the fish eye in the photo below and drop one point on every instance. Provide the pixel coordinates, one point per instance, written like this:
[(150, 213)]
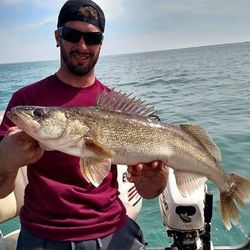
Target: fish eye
[(39, 112)]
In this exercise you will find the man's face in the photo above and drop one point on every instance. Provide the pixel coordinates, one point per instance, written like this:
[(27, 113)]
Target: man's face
[(79, 57)]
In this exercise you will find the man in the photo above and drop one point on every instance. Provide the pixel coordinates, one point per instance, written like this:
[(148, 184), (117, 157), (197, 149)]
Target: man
[(61, 209)]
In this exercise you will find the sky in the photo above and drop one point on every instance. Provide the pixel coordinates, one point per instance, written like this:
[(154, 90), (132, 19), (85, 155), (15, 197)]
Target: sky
[(27, 26)]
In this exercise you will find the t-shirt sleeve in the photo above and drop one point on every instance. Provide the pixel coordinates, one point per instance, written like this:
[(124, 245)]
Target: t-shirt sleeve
[(6, 122)]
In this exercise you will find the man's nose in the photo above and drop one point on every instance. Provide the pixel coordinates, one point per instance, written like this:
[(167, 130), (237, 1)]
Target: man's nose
[(82, 42)]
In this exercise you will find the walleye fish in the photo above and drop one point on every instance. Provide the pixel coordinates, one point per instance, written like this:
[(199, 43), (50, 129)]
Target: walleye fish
[(123, 130)]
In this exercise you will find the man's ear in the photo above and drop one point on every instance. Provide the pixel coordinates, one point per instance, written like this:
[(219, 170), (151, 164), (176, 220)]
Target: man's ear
[(58, 38)]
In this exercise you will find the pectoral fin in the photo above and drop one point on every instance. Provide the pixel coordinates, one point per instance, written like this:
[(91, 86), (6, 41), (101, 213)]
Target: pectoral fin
[(97, 149), (188, 182), (95, 170), (96, 162)]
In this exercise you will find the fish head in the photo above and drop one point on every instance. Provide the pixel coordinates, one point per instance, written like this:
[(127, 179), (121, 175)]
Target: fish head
[(52, 126), (38, 121)]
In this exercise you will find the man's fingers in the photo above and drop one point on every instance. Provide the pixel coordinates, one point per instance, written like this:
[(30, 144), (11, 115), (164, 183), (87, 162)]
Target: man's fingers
[(12, 130), (136, 173), (156, 164), (22, 136), (135, 169)]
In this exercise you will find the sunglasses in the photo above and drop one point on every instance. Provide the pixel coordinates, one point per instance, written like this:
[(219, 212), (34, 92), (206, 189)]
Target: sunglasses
[(74, 36)]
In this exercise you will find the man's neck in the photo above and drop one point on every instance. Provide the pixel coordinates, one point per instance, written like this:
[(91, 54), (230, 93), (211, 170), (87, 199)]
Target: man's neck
[(76, 81)]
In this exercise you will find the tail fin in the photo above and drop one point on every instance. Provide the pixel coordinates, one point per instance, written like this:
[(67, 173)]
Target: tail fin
[(239, 194)]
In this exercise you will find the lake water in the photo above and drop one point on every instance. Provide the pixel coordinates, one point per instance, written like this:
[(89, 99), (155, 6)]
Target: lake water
[(209, 86)]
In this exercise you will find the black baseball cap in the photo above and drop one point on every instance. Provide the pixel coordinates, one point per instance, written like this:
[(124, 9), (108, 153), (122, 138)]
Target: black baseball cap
[(77, 10)]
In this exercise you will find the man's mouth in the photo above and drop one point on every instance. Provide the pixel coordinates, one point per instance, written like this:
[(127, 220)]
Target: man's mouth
[(81, 56)]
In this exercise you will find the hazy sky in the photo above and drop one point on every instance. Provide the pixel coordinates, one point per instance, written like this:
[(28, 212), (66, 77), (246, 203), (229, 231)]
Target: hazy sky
[(27, 26)]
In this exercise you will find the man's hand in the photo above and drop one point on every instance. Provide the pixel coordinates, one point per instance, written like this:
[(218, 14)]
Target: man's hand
[(150, 178), (17, 149)]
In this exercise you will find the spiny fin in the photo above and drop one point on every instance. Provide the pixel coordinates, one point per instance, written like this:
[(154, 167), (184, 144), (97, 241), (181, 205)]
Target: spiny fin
[(95, 170), (238, 194), (99, 150), (188, 182), (201, 135), (124, 103)]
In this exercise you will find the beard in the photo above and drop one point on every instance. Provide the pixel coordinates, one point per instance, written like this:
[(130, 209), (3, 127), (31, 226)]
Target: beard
[(78, 68)]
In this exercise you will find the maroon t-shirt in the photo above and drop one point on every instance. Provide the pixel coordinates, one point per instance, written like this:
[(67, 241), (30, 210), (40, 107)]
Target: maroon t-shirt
[(59, 204)]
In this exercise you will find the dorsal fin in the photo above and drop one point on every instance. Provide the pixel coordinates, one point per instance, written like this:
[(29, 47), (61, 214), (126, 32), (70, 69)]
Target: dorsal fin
[(124, 103), (201, 135)]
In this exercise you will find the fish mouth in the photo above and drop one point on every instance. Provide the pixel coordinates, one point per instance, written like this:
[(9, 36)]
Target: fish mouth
[(22, 120)]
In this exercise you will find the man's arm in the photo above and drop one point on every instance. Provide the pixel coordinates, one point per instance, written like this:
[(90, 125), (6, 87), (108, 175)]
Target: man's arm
[(17, 149), (150, 178)]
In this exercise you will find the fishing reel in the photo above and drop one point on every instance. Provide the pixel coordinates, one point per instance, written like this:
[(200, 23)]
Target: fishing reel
[(187, 219)]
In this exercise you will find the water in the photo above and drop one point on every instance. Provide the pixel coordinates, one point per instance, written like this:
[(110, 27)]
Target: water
[(209, 86)]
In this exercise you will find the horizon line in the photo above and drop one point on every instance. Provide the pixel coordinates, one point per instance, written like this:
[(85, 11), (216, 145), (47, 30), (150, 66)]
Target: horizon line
[(131, 53)]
